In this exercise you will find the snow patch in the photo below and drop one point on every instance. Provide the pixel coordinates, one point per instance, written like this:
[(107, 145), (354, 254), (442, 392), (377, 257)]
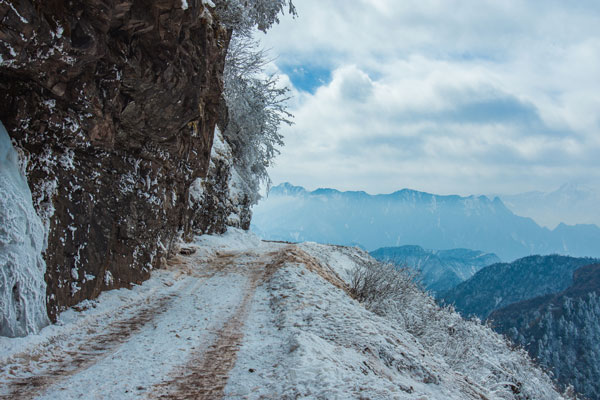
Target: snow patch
[(108, 278), (23, 20), (196, 191), (236, 187), (66, 160), (22, 240), (233, 239), (88, 277), (220, 149), (59, 31), (233, 220)]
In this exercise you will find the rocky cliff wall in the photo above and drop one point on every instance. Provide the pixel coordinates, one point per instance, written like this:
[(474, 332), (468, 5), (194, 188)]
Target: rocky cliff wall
[(220, 200), (113, 104)]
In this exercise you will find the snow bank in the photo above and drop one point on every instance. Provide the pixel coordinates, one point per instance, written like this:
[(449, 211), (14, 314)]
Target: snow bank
[(233, 239), (22, 268)]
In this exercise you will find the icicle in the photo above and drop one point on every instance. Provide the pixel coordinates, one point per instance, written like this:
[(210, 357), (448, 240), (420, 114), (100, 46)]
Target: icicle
[(22, 268)]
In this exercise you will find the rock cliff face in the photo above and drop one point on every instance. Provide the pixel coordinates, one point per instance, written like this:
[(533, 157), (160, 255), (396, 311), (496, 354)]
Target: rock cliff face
[(219, 200), (113, 104)]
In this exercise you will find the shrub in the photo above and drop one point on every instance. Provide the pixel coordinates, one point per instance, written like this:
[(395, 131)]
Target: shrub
[(374, 282)]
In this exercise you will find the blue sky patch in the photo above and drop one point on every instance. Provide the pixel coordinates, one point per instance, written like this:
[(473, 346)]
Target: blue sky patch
[(307, 77)]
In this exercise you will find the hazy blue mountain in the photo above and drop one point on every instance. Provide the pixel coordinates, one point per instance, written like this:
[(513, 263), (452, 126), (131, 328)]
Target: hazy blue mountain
[(411, 217), (561, 330), (502, 284), (571, 204), (439, 270)]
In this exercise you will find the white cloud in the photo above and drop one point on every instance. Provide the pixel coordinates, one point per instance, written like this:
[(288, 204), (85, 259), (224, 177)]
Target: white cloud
[(444, 96)]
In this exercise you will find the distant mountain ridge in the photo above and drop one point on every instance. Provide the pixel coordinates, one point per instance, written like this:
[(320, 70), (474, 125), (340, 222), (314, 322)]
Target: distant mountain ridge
[(502, 284), (570, 203), (440, 270), (412, 217), (549, 305), (561, 330)]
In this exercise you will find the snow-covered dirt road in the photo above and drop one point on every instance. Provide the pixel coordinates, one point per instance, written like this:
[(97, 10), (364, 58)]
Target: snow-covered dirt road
[(246, 319), (176, 336)]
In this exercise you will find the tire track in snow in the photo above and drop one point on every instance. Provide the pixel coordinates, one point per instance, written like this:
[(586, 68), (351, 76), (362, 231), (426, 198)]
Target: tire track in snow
[(29, 375), (66, 363), (205, 375), (59, 361)]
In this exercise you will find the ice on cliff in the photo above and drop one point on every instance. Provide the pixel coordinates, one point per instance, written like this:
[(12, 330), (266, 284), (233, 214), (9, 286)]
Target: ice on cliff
[(22, 268)]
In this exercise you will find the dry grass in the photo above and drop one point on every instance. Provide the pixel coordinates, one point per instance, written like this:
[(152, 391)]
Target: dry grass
[(293, 255)]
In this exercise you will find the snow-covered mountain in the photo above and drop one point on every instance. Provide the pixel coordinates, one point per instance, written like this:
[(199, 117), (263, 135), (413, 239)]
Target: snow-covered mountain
[(409, 217), (241, 318), (549, 305), (438, 270), (561, 330), (501, 284), (570, 204)]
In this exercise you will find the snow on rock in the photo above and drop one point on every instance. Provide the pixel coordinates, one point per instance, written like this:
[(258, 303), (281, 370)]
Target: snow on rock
[(196, 191), (220, 148), (22, 268), (220, 200)]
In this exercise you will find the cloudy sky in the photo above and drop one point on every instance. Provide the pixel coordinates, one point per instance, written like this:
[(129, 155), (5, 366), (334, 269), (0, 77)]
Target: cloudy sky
[(465, 97)]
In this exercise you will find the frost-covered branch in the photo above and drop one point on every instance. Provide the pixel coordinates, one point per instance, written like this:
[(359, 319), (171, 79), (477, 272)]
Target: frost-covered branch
[(376, 282), (257, 108), (243, 15)]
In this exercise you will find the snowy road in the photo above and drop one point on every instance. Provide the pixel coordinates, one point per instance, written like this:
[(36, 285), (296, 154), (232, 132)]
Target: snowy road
[(245, 319), (175, 338)]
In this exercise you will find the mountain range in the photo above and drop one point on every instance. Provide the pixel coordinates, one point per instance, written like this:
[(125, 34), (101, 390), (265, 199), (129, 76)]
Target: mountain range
[(561, 330), (549, 305), (409, 217), (501, 284), (570, 204), (439, 270)]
